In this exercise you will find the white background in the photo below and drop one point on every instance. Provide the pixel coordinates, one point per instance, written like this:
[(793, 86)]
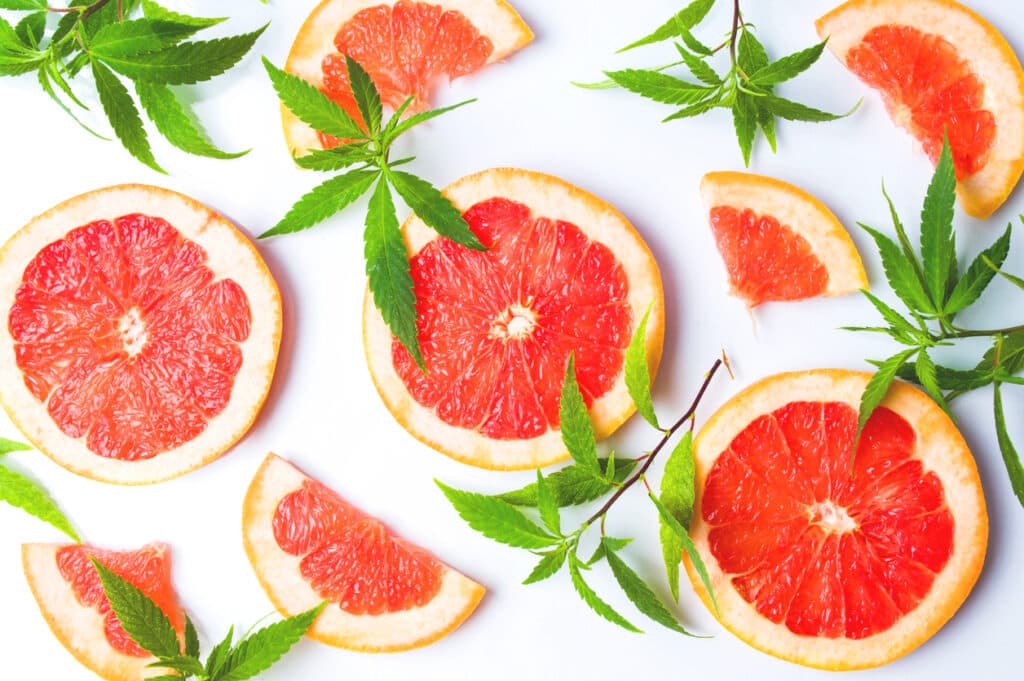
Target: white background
[(324, 414)]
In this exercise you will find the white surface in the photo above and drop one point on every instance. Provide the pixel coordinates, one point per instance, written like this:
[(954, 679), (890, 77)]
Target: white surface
[(324, 415)]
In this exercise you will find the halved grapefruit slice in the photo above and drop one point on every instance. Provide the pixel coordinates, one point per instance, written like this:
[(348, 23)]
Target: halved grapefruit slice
[(308, 545), (940, 66), (823, 562), (70, 596), (565, 273), (142, 333), (406, 46), (779, 242)]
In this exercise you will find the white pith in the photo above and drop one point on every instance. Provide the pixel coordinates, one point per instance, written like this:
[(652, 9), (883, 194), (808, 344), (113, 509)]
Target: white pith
[(990, 57), (495, 19), (229, 255), (798, 210), (279, 573), (941, 449), (552, 198)]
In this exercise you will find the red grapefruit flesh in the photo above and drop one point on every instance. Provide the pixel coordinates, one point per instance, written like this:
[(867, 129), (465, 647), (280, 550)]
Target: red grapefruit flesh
[(142, 332), (406, 46), (939, 66), (308, 545), (71, 598), (564, 274), (827, 561)]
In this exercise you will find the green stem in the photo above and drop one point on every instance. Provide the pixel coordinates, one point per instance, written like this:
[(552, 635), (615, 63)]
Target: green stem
[(978, 333), (639, 475)]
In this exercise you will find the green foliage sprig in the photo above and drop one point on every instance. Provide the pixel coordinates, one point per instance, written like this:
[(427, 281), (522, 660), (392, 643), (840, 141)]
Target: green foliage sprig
[(365, 155), (930, 285), (501, 518), (23, 492), (150, 51), (149, 627), (747, 88)]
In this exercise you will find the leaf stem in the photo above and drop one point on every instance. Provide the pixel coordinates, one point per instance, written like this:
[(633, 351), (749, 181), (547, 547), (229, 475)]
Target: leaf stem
[(639, 475), (975, 333)]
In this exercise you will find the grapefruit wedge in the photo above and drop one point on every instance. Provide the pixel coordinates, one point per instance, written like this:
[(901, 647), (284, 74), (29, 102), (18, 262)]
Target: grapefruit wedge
[(69, 593), (565, 274), (405, 46), (778, 242), (823, 562), (940, 66), (142, 333), (308, 545)]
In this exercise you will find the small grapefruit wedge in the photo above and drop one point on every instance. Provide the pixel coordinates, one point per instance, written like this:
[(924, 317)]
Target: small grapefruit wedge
[(778, 242), (565, 274), (142, 333), (940, 66), (308, 545), (70, 596), (406, 46), (825, 562)]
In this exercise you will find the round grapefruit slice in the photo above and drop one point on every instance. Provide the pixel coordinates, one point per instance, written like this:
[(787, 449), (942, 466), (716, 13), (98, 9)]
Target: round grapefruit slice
[(827, 560), (565, 274), (308, 545), (940, 66), (70, 596), (142, 333), (779, 242), (405, 46)]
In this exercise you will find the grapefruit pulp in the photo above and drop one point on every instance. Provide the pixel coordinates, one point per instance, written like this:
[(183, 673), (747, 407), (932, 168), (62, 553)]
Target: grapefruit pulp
[(307, 545), (820, 561), (941, 67), (141, 337), (69, 593), (406, 46), (778, 242), (564, 273)]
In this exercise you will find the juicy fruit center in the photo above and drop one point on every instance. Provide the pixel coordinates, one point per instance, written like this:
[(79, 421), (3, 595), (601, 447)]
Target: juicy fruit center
[(350, 558), (406, 48), (766, 260), (121, 329), (148, 569), (515, 322), (831, 517), (822, 549), (496, 327), (133, 332), (928, 88)]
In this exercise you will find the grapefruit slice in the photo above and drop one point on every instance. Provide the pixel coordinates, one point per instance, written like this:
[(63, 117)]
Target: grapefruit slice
[(142, 333), (405, 46), (940, 66), (307, 545), (779, 242), (819, 564), (565, 273), (69, 593)]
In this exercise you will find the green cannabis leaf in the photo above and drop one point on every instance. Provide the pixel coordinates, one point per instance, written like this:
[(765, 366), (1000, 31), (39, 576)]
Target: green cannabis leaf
[(151, 50), (150, 628), (929, 284), (365, 150), (503, 517), (28, 495), (747, 89)]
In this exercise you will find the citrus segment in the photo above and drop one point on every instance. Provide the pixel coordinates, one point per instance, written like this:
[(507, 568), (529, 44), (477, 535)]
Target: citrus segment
[(142, 332), (308, 545), (406, 46), (71, 598), (778, 242), (563, 274), (941, 67), (825, 560)]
